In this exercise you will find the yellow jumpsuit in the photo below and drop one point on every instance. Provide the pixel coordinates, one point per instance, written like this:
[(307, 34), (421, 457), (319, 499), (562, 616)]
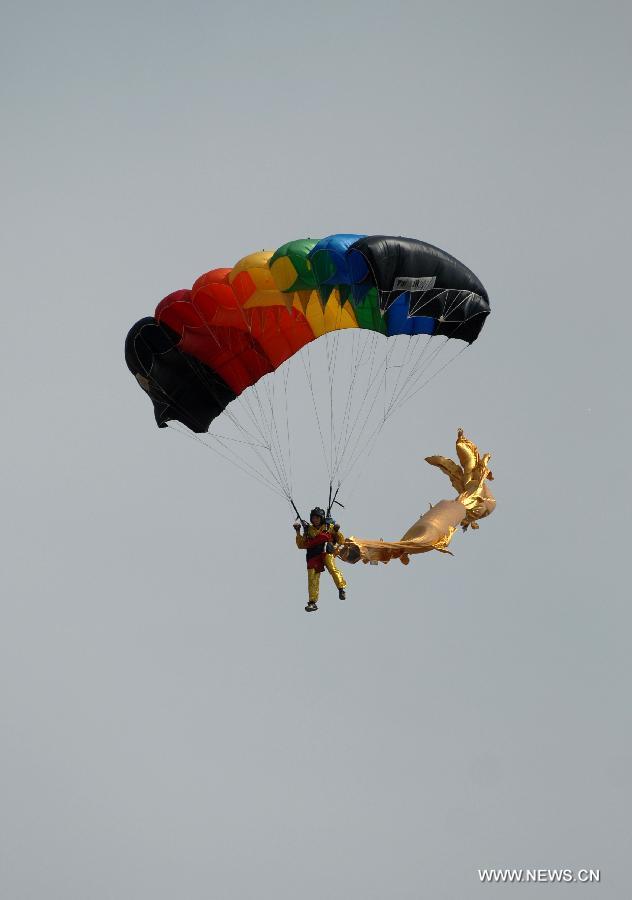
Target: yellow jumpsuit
[(313, 577)]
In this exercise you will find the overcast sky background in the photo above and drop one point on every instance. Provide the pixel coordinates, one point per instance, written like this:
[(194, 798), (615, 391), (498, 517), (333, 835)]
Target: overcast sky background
[(173, 724)]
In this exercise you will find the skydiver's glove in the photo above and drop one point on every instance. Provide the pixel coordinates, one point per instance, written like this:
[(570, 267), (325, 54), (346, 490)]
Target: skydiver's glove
[(329, 548), (296, 526), (336, 526)]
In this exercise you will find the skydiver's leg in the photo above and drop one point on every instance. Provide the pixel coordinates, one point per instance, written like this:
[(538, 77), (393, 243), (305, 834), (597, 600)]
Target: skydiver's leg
[(337, 576), (313, 582)]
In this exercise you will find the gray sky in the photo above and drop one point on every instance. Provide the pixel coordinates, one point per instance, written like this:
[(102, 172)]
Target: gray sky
[(173, 724)]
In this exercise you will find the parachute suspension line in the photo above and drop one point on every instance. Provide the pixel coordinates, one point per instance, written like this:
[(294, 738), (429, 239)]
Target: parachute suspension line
[(367, 416), (270, 387), (202, 376), (430, 377), (365, 456), (273, 474), (384, 375), (245, 468), (349, 395), (282, 430), (266, 427), (174, 401), (221, 440), (398, 361), (271, 447), (272, 442), (286, 378), (417, 360), (260, 421), (331, 349), (235, 422), (370, 445), (384, 298), (349, 433), (372, 440), (408, 388), (307, 368), (259, 425), (328, 349), (287, 367), (416, 376), (272, 470), (234, 440), (362, 451), (265, 445), (331, 447), (356, 472), (421, 365), (338, 439), (240, 465), (458, 301), (401, 368), (356, 362), (243, 401)]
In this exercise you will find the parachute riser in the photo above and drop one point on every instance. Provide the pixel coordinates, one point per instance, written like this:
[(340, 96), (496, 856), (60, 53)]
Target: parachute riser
[(298, 515), (332, 501)]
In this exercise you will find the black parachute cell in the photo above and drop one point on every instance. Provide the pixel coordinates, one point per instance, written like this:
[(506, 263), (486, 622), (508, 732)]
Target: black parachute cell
[(439, 285), (180, 386)]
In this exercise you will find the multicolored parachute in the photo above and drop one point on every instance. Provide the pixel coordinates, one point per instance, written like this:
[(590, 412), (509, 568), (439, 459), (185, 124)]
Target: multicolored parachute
[(206, 346)]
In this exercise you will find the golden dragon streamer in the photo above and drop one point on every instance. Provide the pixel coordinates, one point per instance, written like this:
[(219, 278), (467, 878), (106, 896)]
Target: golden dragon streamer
[(436, 527)]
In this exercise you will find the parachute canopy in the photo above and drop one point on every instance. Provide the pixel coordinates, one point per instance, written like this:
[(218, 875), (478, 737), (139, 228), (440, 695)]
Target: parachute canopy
[(205, 346)]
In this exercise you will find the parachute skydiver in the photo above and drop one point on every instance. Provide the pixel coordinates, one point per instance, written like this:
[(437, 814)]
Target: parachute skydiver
[(208, 359), (321, 536)]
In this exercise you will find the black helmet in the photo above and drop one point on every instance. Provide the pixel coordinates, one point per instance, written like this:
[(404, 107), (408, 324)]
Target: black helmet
[(317, 511)]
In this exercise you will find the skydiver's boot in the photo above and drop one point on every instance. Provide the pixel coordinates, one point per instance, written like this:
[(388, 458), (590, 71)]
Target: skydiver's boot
[(341, 594), (311, 607)]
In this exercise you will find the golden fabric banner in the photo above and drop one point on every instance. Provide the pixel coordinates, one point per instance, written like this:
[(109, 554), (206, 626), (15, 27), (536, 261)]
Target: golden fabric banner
[(435, 529)]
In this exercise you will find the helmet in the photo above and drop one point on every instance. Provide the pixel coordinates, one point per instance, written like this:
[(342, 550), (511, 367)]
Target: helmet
[(317, 511)]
